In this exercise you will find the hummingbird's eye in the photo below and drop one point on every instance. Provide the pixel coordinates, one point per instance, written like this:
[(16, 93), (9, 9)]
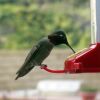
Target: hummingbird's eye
[(61, 35)]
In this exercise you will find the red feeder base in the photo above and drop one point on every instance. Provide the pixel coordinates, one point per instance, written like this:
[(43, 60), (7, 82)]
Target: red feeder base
[(86, 61)]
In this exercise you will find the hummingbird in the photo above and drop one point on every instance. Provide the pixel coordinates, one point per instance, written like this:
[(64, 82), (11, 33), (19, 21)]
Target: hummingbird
[(41, 51)]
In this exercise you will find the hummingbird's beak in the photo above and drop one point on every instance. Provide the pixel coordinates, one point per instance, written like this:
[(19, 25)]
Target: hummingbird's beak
[(70, 47)]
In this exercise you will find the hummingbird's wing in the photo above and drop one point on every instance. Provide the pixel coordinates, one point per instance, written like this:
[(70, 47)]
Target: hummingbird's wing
[(31, 55), (27, 66)]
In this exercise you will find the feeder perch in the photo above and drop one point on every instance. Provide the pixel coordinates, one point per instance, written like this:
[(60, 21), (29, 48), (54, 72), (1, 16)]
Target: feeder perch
[(87, 60)]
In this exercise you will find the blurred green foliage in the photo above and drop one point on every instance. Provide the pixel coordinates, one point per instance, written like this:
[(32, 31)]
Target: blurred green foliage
[(24, 22)]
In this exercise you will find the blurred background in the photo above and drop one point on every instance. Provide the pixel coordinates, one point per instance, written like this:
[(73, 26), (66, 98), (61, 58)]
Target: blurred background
[(22, 24)]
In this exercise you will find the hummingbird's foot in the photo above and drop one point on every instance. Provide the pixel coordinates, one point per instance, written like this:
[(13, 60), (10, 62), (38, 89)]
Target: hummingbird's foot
[(43, 66)]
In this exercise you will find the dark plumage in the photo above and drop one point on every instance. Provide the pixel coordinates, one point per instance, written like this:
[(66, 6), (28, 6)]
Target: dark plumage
[(41, 50)]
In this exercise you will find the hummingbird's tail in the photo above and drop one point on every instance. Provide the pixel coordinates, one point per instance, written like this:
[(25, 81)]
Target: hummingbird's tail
[(17, 77), (23, 71)]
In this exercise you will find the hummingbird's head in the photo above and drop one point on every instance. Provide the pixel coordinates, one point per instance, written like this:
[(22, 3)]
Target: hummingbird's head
[(58, 37)]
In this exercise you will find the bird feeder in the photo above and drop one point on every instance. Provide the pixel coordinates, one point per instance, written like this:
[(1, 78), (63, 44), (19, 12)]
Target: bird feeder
[(86, 60)]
